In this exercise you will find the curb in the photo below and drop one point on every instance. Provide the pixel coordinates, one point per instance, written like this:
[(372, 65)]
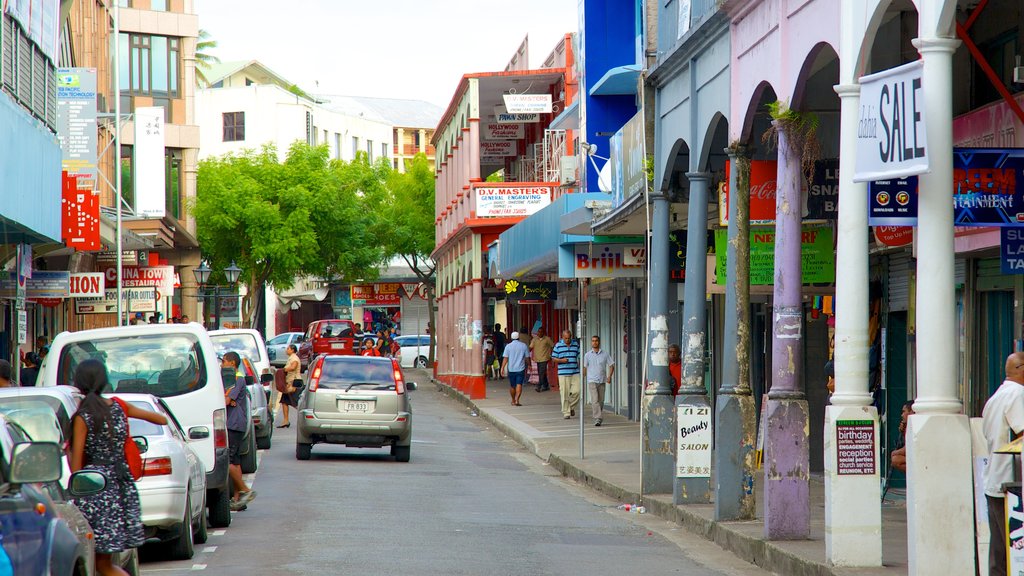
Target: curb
[(765, 554)]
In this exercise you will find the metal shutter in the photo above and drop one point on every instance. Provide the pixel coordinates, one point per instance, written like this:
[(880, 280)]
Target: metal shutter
[(901, 267), (415, 314), (40, 69), (960, 272), (7, 72), (51, 98)]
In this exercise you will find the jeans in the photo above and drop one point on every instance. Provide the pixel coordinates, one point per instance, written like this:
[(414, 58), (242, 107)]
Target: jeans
[(997, 535)]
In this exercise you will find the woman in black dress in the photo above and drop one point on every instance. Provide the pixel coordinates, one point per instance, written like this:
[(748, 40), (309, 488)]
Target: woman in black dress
[(100, 428)]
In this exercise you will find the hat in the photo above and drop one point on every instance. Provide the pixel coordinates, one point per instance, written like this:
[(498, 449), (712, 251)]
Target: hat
[(515, 335)]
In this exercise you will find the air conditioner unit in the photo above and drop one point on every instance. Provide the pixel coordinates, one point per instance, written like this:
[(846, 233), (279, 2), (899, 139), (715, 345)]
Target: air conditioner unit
[(567, 170)]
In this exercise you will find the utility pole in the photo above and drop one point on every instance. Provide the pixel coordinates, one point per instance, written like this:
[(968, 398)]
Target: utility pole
[(117, 158)]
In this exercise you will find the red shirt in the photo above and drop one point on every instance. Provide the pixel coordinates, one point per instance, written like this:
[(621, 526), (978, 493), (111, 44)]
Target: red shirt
[(370, 352), (676, 370)]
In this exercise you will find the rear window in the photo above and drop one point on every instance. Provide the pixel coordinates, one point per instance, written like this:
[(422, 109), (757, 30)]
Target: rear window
[(356, 373), (243, 344), (158, 364), (333, 329), (144, 427), (36, 418)]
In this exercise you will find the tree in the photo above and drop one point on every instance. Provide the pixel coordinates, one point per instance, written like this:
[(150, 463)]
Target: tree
[(204, 59)]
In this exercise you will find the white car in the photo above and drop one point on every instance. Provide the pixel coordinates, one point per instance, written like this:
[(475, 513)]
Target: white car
[(172, 489), (277, 345), (247, 343), (415, 350)]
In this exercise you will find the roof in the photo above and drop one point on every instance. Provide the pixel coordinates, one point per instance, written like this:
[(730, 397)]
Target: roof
[(398, 112), (262, 75)]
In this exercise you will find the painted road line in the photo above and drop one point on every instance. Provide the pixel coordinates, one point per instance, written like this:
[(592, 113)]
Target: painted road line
[(198, 567), (208, 550), (220, 532)]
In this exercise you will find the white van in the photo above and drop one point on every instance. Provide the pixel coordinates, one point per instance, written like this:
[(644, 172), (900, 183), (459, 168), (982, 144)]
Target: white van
[(176, 362)]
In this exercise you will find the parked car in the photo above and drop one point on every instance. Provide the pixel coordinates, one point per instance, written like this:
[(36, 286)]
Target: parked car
[(358, 401), (328, 337), (176, 362), (262, 417), (248, 343), (172, 490), (276, 347), (415, 350)]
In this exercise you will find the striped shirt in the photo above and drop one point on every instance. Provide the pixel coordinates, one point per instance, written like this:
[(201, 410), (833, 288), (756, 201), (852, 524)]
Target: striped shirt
[(570, 352)]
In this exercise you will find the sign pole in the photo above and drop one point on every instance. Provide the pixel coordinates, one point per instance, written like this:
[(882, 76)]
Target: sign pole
[(117, 158)]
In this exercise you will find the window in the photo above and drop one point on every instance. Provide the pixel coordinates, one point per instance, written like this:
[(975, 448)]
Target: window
[(127, 177), (356, 373), (316, 133), (369, 149), (355, 146), (150, 66), (383, 150), (326, 141), (245, 344), (337, 146), (28, 73), (159, 364), (234, 126), (416, 138), (172, 186)]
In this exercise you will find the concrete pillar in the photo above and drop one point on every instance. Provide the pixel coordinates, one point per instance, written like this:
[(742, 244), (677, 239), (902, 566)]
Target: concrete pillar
[(400, 150), (423, 141), (786, 456), (692, 487), (853, 514), (735, 416), (479, 385), (657, 457), (474, 150), (939, 485)]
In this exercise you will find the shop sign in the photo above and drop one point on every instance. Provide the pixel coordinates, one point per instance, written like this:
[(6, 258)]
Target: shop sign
[(694, 437), (76, 125), (342, 298), (495, 131), (80, 215), (109, 258), (530, 292), (381, 294), (634, 174), (985, 189), (22, 327), (893, 202), (492, 160), (42, 284), (822, 197), (817, 252), (150, 162), (162, 277), (88, 285), (133, 299), (855, 447), (1011, 250), (894, 236), (498, 148), (891, 135), (514, 118), (608, 261), (527, 103), (1015, 531), (504, 201)]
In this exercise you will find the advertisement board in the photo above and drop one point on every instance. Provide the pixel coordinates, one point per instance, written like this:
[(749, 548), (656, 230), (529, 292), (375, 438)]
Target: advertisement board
[(76, 124), (133, 299), (505, 201), (380, 294), (891, 136), (821, 198), (496, 131), (609, 261), (498, 148), (634, 175), (893, 202), (694, 437), (527, 103), (150, 163), (985, 188), (80, 215), (527, 292), (817, 252)]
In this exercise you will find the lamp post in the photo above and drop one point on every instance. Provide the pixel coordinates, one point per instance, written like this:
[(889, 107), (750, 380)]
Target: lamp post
[(202, 274)]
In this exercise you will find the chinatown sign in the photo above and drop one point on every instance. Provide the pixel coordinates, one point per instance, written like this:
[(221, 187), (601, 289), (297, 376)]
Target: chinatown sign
[(891, 136), (161, 277), (505, 201)]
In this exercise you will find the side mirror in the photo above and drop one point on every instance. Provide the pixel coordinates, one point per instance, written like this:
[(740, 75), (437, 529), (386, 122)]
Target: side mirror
[(86, 483), (142, 442), (33, 462), (198, 433), (411, 386), (267, 379)]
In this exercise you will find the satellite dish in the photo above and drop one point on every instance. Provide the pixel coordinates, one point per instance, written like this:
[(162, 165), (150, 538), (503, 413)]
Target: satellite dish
[(604, 178)]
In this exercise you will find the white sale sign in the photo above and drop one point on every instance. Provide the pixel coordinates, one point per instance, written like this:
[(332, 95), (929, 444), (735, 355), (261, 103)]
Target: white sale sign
[(891, 137)]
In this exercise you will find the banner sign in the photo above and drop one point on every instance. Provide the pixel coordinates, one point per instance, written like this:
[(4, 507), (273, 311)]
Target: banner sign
[(527, 103), (381, 294), (498, 148), (609, 261), (513, 118), (894, 236), (76, 124), (42, 284), (527, 292), (822, 198), (150, 163), (88, 285), (162, 277), (891, 136), (133, 299), (817, 251), (893, 202), (855, 447), (496, 131), (634, 174), (985, 190), (823, 194), (1011, 250), (80, 215), (504, 201), (694, 438)]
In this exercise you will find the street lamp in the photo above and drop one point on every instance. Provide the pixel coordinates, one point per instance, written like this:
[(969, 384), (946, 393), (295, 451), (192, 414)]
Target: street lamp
[(202, 274)]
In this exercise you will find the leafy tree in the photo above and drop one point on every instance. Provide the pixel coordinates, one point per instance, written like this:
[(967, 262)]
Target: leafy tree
[(204, 59)]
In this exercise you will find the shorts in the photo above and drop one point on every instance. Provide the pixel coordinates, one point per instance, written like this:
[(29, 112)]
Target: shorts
[(516, 378), (235, 439)]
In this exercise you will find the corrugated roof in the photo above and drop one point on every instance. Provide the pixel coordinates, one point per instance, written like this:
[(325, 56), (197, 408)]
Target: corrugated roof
[(398, 112)]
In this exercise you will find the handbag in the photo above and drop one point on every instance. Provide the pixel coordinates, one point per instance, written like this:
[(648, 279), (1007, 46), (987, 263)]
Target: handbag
[(131, 449)]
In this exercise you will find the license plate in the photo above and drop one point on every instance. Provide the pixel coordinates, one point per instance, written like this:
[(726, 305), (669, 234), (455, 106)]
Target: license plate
[(338, 346), (357, 406)]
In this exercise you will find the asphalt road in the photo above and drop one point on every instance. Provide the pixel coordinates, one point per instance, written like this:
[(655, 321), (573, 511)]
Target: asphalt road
[(470, 502)]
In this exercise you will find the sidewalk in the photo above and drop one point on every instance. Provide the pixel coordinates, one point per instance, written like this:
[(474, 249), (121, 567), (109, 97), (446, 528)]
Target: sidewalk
[(611, 464)]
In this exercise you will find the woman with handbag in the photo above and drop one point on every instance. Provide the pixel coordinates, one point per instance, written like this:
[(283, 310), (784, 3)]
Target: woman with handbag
[(289, 395), (98, 442)]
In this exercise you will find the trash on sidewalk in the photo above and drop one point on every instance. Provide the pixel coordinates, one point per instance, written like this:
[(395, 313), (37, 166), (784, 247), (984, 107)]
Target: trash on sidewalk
[(473, 413), (633, 508)]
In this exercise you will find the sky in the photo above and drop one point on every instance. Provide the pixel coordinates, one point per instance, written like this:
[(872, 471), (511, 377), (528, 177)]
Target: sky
[(415, 49)]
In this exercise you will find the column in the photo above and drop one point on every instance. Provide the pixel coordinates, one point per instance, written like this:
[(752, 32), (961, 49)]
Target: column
[(786, 456), (735, 416), (939, 484), (400, 150), (479, 386), (657, 458), (423, 141), (853, 516), (474, 150), (692, 483)]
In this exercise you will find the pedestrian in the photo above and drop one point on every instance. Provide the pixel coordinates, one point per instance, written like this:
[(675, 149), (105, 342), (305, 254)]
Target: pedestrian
[(5, 374), (489, 356), (292, 369), (598, 368), (236, 397), (30, 373), (541, 346), (383, 347), (185, 319), (675, 366), (1002, 421), (513, 363), (899, 455), (99, 432), (524, 335), (566, 355), (368, 348), (359, 329), (499, 344)]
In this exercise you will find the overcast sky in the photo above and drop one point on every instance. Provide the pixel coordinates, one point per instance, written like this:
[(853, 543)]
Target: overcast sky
[(384, 48)]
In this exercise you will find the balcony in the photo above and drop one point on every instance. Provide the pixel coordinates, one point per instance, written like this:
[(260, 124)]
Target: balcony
[(411, 150)]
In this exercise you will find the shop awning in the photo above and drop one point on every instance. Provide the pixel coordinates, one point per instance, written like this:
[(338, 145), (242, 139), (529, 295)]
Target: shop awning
[(569, 119), (619, 81), (532, 246), (293, 296)]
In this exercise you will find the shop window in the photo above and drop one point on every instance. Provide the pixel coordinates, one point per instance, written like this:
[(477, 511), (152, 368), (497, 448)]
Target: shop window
[(150, 66), (127, 178), (173, 181), (234, 126)]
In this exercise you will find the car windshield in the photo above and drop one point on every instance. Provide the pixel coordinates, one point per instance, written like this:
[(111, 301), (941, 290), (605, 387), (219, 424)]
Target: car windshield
[(36, 418), (280, 339), (334, 329), (244, 344), (144, 427), (159, 364), (356, 372)]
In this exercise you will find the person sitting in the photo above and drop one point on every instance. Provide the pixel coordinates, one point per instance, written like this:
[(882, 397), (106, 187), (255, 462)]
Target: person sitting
[(899, 455)]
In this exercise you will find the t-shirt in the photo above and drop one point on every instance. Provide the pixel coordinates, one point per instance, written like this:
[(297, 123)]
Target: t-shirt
[(293, 368), (596, 364), (541, 347), (237, 419), (570, 352), (676, 370), (1002, 418), (516, 352), (28, 376)]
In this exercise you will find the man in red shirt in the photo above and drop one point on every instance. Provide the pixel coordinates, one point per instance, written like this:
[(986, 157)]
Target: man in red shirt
[(675, 366)]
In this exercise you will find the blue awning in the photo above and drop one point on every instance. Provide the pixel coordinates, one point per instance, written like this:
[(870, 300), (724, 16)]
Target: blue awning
[(619, 81), (569, 119), (532, 246)]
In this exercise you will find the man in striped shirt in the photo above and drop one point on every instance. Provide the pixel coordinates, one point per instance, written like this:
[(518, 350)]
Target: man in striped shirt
[(566, 355)]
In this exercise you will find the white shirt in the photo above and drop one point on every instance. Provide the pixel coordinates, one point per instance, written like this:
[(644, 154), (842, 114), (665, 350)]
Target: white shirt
[(1003, 413)]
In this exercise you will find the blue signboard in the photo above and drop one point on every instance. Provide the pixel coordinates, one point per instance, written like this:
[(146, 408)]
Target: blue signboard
[(1011, 249), (893, 202), (985, 190)]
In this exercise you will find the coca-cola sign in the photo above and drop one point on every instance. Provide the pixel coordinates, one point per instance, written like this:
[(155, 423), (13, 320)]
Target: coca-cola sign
[(820, 198)]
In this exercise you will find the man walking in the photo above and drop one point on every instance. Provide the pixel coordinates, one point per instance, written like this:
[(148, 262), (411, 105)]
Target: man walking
[(598, 368), (1002, 421), (499, 344), (541, 347), (566, 355), (514, 364), (236, 397)]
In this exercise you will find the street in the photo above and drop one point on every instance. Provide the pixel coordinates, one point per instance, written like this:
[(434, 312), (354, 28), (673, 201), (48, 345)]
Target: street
[(469, 502)]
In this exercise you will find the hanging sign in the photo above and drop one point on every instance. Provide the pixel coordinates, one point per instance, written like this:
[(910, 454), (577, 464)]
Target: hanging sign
[(88, 285), (496, 131), (1011, 250), (894, 236), (893, 202), (505, 201), (693, 441), (527, 103), (530, 292), (817, 252), (80, 215), (150, 163), (985, 189), (498, 148), (821, 198), (503, 116), (891, 136)]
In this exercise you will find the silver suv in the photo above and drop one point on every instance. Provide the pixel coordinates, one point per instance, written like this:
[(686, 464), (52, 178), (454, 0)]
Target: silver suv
[(358, 401)]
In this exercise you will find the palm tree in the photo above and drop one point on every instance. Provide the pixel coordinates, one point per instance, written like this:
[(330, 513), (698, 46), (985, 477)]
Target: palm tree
[(204, 59)]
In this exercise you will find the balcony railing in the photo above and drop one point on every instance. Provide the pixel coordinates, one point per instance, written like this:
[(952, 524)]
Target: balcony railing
[(412, 150)]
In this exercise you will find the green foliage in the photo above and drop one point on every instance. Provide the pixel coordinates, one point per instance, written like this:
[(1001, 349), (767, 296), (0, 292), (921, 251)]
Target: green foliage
[(204, 59), (294, 89), (498, 176), (405, 221), (801, 130)]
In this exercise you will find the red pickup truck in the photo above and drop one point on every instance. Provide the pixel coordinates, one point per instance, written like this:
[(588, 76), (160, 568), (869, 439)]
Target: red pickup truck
[(328, 337)]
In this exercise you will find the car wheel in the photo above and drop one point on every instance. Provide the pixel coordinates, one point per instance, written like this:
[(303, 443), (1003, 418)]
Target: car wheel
[(264, 442), (201, 534), (220, 509), (401, 453), (249, 460), (303, 451), (181, 548), (421, 362)]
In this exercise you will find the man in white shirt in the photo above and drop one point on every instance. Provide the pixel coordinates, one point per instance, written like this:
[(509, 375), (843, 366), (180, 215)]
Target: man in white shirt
[(598, 368), (1002, 421)]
